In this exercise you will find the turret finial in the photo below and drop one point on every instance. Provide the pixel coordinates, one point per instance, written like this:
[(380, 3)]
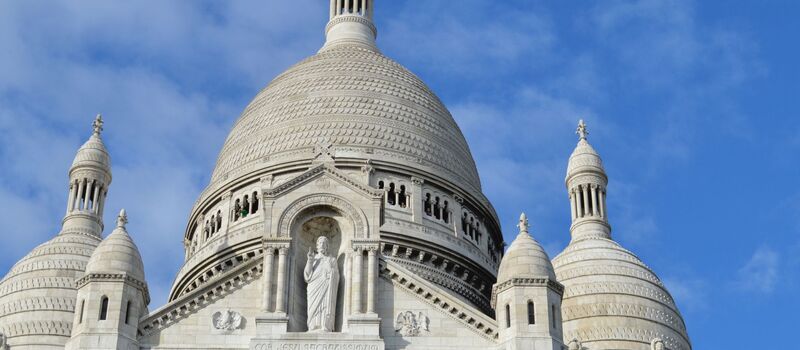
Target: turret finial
[(581, 131), (98, 124), (122, 219), (523, 224)]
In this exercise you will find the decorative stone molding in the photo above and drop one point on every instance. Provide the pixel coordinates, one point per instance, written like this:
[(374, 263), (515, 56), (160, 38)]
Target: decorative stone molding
[(668, 319), (317, 170), (630, 334), (227, 320), (189, 303), (114, 277), (525, 282), (39, 327), (435, 271), (351, 18), (211, 272), (455, 309), (409, 324), (290, 214), (39, 304), (633, 289), (36, 283)]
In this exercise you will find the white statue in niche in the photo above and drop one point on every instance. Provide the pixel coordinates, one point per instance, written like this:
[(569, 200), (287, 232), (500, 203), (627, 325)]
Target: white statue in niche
[(322, 275)]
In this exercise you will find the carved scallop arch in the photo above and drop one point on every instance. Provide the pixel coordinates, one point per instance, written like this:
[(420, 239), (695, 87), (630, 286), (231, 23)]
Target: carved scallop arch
[(340, 204)]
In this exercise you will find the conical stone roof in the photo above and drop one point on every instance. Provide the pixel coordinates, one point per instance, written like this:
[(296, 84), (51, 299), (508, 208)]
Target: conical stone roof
[(117, 254)]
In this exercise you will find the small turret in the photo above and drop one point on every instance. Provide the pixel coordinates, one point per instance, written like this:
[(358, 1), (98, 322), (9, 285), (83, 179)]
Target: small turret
[(527, 297), (112, 295), (586, 183), (89, 178)]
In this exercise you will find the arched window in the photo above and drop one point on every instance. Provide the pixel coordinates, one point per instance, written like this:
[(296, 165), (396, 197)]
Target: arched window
[(80, 314), (446, 213), (128, 312), (380, 185), (437, 209), (402, 198), (464, 223), (391, 195), (508, 316), (103, 308), (255, 202), (428, 206), (237, 210), (245, 206), (219, 220), (531, 313)]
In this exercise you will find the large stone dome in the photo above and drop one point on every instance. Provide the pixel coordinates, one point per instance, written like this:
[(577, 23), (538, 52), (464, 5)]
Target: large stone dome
[(361, 102), (612, 300), (37, 297)]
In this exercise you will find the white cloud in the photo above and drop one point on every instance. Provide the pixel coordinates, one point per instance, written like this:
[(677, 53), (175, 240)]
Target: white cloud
[(690, 294), (761, 272)]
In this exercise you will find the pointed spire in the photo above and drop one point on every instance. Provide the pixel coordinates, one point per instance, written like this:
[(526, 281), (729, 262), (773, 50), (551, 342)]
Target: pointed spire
[(582, 132), (523, 224), (98, 124), (122, 219)]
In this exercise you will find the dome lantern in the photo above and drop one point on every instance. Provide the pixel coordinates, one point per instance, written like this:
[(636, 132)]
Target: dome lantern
[(351, 21)]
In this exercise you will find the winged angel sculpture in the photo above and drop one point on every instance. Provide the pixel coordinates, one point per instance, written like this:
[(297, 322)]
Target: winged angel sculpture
[(411, 325), (227, 320)]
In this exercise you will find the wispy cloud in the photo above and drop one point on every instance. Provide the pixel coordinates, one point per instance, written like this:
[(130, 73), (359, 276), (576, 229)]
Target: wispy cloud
[(761, 272)]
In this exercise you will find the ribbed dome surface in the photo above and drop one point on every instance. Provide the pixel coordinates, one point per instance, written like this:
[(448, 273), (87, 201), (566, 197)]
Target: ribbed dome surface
[(525, 258), (93, 153), (584, 159), (363, 103), (613, 301), (37, 297), (117, 254)]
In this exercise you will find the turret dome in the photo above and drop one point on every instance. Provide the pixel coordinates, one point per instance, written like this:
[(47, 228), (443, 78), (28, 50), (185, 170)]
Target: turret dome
[(117, 254), (93, 153), (584, 158), (525, 258)]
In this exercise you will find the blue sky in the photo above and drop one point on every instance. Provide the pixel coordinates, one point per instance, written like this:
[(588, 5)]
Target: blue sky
[(693, 106)]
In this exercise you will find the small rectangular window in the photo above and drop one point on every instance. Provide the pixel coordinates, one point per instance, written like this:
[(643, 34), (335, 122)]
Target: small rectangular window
[(531, 313), (103, 309), (508, 316)]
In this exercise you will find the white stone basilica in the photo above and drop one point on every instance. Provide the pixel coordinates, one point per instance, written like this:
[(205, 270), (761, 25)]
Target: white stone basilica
[(345, 212)]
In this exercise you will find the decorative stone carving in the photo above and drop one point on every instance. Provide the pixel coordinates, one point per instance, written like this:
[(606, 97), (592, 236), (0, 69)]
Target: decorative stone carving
[(575, 344), (411, 325), (322, 275), (227, 320), (657, 344)]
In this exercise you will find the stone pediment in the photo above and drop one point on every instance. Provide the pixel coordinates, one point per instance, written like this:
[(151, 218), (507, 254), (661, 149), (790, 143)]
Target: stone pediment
[(322, 174)]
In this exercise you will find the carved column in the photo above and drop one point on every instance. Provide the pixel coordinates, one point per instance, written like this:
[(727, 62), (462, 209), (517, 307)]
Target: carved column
[(81, 183), (96, 188), (281, 300), (358, 260), (416, 199), (572, 204), (103, 195), (266, 290), (602, 202), (371, 262), (71, 199), (87, 194)]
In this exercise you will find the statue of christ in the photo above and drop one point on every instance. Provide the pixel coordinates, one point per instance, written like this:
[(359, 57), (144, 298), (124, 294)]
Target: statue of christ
[(322, 275)]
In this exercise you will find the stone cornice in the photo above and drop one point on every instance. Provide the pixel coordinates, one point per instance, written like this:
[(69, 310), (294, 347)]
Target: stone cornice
[(473, 319), (115, 277), (526, 282), (201, 297), (315, 171)]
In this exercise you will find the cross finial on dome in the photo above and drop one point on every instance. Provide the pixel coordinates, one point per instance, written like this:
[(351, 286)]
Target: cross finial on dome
[(122, 219), (581, 131), (98, 124), (523, 224)]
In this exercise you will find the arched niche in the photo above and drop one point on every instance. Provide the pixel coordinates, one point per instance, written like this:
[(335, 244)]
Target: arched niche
[(304, 228)]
